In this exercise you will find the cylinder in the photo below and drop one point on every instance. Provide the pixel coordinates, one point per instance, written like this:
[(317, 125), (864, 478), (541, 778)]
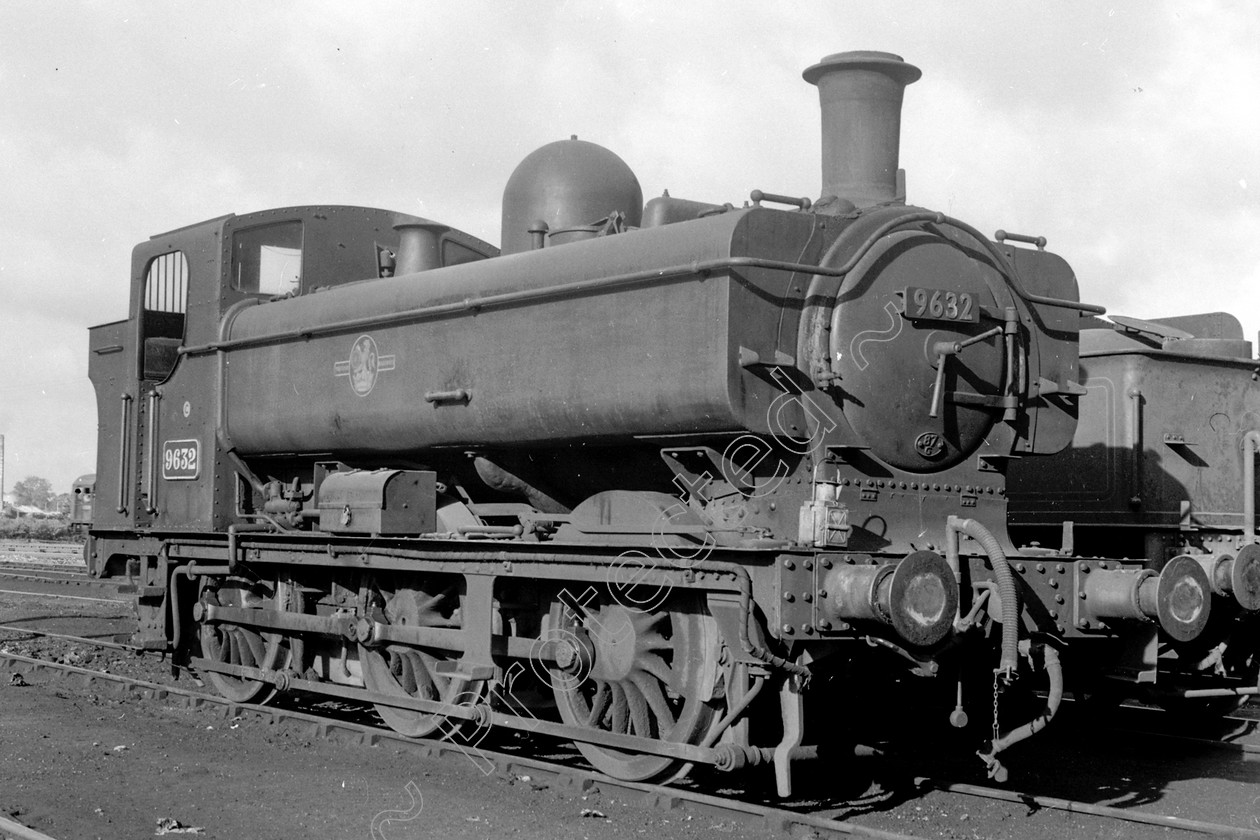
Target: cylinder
[(860, 94), (419, 246)]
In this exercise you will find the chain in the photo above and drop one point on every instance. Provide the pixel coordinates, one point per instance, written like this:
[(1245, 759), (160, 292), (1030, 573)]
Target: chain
[(996, 692)]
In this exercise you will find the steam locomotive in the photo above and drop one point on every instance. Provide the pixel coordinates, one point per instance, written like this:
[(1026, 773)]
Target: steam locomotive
[(1162, 467), (623, 476)]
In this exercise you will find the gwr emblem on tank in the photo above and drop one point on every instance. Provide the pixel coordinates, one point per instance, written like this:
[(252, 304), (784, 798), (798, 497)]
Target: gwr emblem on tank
[(363, 366), (929, 445)]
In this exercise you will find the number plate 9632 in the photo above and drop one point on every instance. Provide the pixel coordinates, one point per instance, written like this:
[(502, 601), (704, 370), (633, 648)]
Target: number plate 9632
[(181, 460), (941, 305)]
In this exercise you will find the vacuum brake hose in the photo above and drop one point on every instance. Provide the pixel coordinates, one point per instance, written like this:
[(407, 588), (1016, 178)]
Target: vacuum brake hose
[(1006, 589), (1054, 671)]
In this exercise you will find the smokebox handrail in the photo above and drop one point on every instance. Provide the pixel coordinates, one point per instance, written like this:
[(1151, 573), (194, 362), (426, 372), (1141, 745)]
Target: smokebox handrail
[(698, 270), (1007, 269)]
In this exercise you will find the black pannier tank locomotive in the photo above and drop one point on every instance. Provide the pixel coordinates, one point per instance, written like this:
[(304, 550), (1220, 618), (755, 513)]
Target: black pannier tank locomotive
[(621, 479)]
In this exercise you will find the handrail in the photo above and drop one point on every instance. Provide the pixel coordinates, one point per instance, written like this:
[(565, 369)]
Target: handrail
[(1250, 443), (1135, 435), (122, 454), (151, 473), (698, 268)]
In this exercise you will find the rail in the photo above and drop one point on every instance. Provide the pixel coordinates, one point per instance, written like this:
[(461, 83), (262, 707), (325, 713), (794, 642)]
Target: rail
[(769, 818)]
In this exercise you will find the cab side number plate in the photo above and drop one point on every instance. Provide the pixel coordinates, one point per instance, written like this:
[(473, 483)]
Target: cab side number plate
[(181, 460), (941, 305)]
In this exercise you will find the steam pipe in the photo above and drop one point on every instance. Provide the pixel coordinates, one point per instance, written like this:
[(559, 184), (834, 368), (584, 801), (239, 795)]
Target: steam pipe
[(736, 712), (233, 545), (1006, 587), (190, 571)]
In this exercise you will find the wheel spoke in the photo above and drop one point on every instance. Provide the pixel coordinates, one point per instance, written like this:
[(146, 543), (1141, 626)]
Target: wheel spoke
[(647, 684), (256, 647), (242, 646), (620, 714), (654, 641), (403, 671), (244, 649), (640, 715), (642, 621), (217, 643), (406, 673), (429, 604), (240, 650), (599, 704), (426, 685), (651, 691), (654, 665)]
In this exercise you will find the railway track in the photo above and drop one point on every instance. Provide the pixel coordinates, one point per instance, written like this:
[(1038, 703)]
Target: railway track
[(51, 567), (561, 776), (39, 553), (787, 821)]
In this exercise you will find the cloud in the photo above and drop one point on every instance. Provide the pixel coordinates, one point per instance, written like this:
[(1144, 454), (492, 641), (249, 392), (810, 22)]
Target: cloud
[(1124, 134)]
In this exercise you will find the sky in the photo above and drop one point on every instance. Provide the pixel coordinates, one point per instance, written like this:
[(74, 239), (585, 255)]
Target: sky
[(1127, 134)]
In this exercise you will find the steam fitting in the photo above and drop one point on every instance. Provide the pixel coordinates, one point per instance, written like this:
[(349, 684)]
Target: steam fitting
[(917, 597)]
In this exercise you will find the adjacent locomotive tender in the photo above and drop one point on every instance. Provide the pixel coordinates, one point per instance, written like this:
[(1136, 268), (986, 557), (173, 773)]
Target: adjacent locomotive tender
[(634, 479), (1162, 467)]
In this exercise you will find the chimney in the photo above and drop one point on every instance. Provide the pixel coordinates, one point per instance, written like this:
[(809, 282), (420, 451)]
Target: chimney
[(860, 93)]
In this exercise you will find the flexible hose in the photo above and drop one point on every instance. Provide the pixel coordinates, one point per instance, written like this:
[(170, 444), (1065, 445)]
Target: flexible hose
[(1054, 670), (1006, 589)]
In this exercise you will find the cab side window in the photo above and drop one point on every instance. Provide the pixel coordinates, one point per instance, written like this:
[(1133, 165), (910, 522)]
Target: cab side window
[(268, 259), (162, 319)]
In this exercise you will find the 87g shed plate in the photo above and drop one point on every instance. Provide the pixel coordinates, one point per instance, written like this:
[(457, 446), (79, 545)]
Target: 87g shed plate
[(926, 304)]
